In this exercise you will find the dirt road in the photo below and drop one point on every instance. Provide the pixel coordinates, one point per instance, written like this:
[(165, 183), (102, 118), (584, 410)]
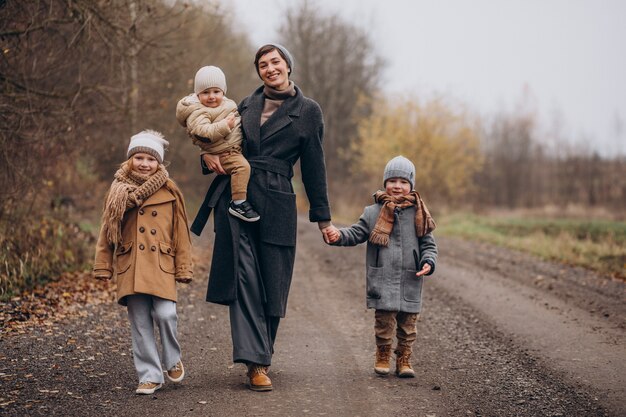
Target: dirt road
[(502, 334)]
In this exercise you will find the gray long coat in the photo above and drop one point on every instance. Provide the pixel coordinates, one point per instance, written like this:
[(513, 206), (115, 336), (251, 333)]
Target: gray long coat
[(294, 132), (390, 271)]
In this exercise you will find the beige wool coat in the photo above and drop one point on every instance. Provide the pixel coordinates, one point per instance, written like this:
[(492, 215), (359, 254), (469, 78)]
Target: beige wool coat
[(207, 126), (148, 261)]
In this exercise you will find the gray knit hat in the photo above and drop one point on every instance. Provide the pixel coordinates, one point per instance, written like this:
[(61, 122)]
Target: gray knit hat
[(400, 167), (287, 54), (208, 77), (150, 142)]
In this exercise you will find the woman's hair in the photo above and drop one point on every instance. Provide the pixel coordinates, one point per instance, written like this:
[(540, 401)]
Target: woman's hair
[(266, 49)]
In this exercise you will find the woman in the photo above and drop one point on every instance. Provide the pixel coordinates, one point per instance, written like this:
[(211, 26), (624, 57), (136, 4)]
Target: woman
[(252, 263)]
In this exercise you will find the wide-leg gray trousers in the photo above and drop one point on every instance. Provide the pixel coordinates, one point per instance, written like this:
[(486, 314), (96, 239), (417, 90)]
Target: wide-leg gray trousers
[(143, 311), (253, 331)]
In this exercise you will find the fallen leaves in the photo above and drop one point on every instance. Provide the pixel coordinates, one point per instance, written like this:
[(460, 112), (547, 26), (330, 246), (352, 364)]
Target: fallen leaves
[(65, 297)]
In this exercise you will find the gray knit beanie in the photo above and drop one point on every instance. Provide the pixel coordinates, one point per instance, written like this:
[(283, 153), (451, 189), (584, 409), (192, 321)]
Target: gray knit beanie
[(150, 142), (287, 55), (400, 167), (208, 77)]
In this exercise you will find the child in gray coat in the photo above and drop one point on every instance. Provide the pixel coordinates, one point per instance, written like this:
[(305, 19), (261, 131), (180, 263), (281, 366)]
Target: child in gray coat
[(400, 251)]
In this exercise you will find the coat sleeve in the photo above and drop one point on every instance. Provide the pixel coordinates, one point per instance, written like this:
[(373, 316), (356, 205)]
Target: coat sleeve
[(357, 233), (184, 265), (428, 251), (201, 126), (103, 263), (313, 167)]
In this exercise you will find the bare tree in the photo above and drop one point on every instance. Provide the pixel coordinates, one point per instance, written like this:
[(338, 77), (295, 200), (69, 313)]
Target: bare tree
[(336, 65)]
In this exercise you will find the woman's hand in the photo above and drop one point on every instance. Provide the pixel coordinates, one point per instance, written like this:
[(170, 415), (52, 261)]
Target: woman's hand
[(330, 234), (213, 163)]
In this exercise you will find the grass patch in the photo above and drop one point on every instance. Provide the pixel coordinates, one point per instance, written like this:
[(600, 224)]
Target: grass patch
[(599, 245)]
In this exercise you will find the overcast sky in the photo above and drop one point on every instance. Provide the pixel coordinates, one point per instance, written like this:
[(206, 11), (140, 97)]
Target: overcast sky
[(570, 55)]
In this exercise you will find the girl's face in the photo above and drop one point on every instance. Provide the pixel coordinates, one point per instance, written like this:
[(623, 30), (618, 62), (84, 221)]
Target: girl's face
[(211, 97), (144, 163), (274, 70), (397, 187)]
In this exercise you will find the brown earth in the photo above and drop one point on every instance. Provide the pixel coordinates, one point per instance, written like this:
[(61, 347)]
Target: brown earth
[(502, 334)]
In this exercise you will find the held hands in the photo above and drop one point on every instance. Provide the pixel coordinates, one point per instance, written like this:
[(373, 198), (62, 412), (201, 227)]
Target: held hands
[(183, 280), (425, 270), (330, 234), (213, 163)]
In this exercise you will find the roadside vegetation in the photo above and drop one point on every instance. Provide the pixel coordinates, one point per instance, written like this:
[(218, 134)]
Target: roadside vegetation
[(599, 245)]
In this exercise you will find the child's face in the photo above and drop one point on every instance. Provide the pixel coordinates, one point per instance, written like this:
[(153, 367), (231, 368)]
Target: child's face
[(397, 187), (144, 163), (211, 97)]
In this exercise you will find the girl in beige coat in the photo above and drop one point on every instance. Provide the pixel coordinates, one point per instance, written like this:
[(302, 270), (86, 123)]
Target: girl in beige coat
[(144, 242)]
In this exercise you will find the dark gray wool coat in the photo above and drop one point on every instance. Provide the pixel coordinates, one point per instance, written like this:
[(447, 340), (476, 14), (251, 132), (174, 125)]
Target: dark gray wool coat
[(390, 271), (294, 132)]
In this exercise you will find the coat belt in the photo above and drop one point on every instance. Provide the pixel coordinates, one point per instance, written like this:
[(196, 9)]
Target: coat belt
[(263, 163)]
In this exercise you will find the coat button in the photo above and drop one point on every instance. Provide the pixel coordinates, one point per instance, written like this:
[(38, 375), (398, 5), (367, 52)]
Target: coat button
[(141, 211), (153, 232), (169, 250), (153, 248), (142, 229), (142, 247), (122, 250), (154, 213)]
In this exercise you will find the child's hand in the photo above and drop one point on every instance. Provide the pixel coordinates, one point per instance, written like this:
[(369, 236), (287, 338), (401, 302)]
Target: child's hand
[(425, 270), (103, 277), (184, 280), (230, 119)]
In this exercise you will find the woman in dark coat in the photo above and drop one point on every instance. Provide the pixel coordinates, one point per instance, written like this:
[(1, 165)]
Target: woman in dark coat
[(252, 263)]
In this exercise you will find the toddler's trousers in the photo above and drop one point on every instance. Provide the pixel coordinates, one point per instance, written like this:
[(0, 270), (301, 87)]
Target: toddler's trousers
[(143, 311), (237, 166), (404, 324)]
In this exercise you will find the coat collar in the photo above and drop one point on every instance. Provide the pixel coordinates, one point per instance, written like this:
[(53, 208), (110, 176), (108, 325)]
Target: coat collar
[(282, 118), (162, 195)]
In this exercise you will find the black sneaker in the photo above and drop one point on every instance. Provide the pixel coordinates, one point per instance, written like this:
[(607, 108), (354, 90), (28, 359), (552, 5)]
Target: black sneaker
[(244, 211)]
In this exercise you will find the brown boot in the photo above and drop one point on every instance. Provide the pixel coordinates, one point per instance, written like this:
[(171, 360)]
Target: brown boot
[(259, 381), (383, 355), (403, 362)]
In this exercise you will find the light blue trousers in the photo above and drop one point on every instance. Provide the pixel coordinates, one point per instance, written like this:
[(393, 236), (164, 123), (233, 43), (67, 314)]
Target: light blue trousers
[(143, 311)]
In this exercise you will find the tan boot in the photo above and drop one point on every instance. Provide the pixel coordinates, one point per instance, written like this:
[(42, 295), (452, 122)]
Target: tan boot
[(383, 355), (403, 362), (259, 381)]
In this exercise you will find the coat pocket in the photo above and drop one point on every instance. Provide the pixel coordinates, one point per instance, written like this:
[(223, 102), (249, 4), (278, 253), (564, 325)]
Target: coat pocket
[(279, 218), (375, 281), (411, 287), (166, 258), (123, 258)]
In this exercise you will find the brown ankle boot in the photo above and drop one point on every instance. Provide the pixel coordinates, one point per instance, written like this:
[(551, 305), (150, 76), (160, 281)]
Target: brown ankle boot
[(259, 381), (383, 354), (403, 362)]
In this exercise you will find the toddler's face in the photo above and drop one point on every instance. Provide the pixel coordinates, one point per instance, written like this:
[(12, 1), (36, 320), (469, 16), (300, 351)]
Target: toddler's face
[(144, 163), (397, 187), (211, 97)]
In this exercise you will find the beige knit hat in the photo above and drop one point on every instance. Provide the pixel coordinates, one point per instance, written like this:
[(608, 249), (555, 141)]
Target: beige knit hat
[(208, 77), (150, 142)]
